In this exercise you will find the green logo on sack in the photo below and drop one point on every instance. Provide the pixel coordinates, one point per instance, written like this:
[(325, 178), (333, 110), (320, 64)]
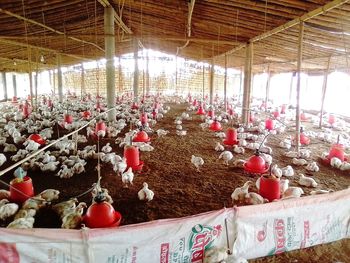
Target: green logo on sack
[(202, 238)]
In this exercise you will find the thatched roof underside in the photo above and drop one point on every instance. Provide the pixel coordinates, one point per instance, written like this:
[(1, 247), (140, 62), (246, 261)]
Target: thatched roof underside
[(74, 29)]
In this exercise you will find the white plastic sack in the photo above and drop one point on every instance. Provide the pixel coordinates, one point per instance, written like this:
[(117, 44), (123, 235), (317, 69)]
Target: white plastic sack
[(291, 224)]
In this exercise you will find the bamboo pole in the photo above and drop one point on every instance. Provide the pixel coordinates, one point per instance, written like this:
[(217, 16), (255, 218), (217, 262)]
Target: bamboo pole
[(291, 88), (147, 74), (300, 57), (225, 85), (136, 71), (82, 85), (203, 82), (324, 90), (36, 79), (110, 53), (29, 50), (267, 94), (211, 94), (120, 75), (176, 91), (247, 83), (54, 82), (59, 79), (50, 79), (48, 28), (14, 83), (4, 85)]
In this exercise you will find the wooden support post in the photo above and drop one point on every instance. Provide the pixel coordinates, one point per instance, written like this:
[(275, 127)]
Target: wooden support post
[(247, 83), (82, 85), (136, 71), (267, 95), (324, 90), (120, 76), (14, 84), (110, 52), (300, 57), (59, 79), (225, 85), (143, 83), (54, 82), (50, 79), (176, 91), (4, 85), (291, 88), (147, 75), (30, 75), (203, 76), (211, 93), (36, 79), (240, 84)]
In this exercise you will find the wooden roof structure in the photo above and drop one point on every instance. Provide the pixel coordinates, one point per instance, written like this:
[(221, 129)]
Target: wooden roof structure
[(37, 31)]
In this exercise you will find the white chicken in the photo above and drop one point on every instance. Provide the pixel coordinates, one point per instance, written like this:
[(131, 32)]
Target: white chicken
[(7, 209), (284, 184), (291, 154), (215, 255), (2, 159), (197, 161), (286, 144), (50, 194), (10, 148), (336, 162), (48, 167), (107, 148), (242, 142), (239, 163), (254, 199), (345, 166), (22, 223), (312, 167), (276, 171), (23, 213), (240, 192), (31, 145), (287, 171), (4, 194), (73, 219), (65, 172), (320, 191), (299, 161), (120, 166), (104, 192), (63, 206), (219, 147), (267, 158), (145, 193), (181, 132), (238, 149), (226, 156), (78, 168), (35, 202), (146, 148), (304, 153), (127, 177), (292, 192), (161, 133), (307, 181)]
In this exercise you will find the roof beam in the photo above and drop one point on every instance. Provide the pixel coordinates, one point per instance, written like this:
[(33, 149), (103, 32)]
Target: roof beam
[(49, 50), (49, 28), (319, 11), (117, 19)]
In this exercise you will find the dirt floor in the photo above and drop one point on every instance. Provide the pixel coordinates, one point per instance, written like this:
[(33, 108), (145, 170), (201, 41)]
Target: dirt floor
[(179, 189)]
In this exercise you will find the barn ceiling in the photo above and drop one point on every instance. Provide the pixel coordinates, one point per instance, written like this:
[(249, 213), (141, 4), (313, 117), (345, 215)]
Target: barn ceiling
[(37, 31)]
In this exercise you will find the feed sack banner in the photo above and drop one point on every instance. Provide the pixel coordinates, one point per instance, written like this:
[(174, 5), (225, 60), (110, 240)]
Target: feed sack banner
[(165, 241), (291, 224)]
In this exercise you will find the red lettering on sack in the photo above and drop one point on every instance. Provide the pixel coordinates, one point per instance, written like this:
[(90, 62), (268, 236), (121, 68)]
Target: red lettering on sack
[(164, 253), (8, 253)]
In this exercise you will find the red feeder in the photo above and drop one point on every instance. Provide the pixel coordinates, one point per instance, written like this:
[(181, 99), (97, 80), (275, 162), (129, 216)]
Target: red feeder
[(141, 136), (68, 118), (303, 117), (331, 119), (132, 156), (256, 164), (86, 114), (269, 188), (14, 99), (337, 150), (89, 96), (269, 124), (283, 109), (211, 113), (98, 105), (276, 114), (304, 140), (37, 138), (134, 106), (215, 126), (49, 103), (154, 114), (29, 97), (189, 98), (144, 118), (101, 214), (231, 137), (200, 111), (21, 191), (194, 103), (100, 128), (44, 100), (251, 118)]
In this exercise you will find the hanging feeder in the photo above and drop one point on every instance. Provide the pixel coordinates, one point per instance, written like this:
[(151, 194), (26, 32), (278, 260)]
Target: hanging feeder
[(304, 140), (211, 113), (270, 187), (200, 110), (337, 150), (86, 114), (21, 188), (269, 124), (143, 118), (331, 119), (14, 100), (68, 118), (303, 117), (101, 214), (154, 114), (251, 118), (98, 105), (195, 103), (215, 126), (134, 106), (283, 108), (132, 156), (49, 103), (26, 110), (276, 114), (256, 164), (100, 128), (37, 138), (231, 137), (141, 136)]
